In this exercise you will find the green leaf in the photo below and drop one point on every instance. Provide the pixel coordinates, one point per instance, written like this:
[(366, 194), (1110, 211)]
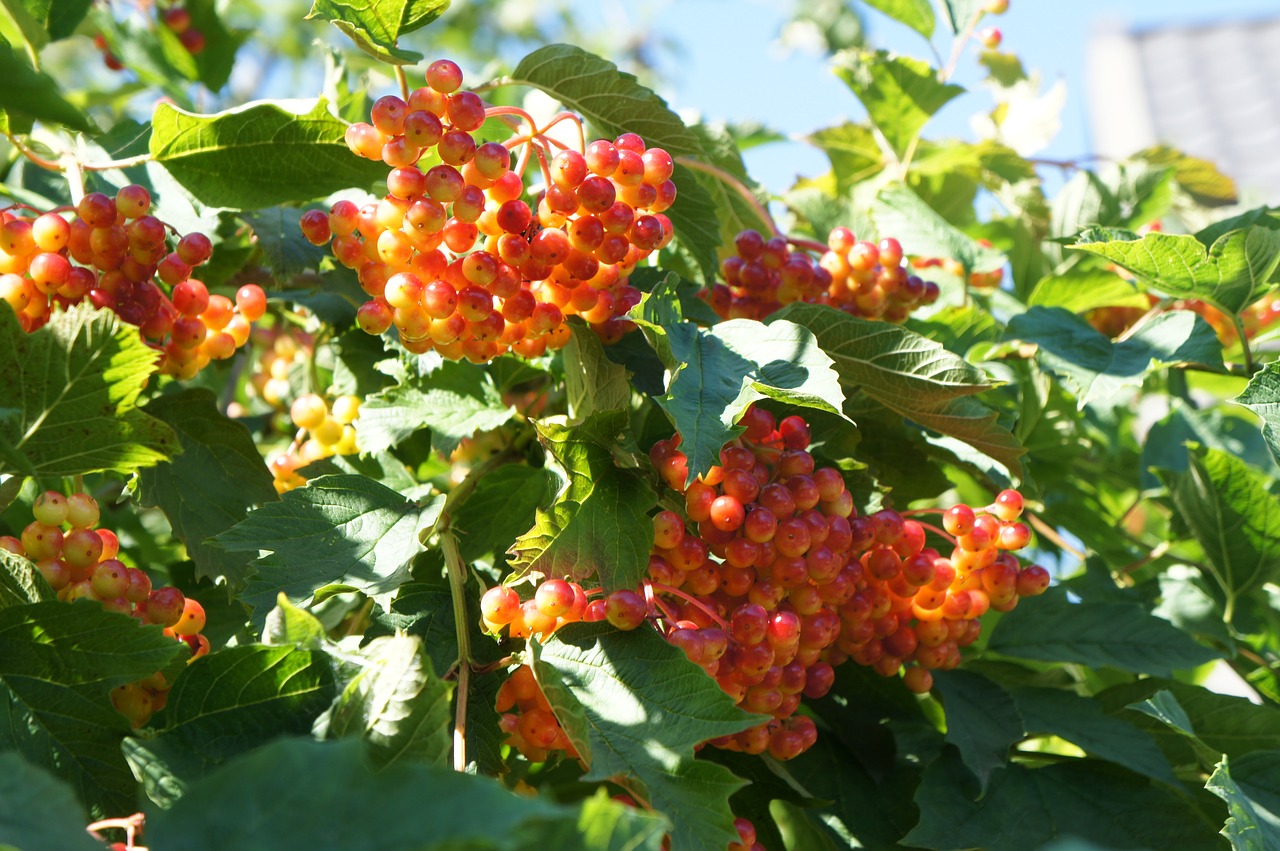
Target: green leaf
[(1079, 290), (297, 794), (260, 154), (73, 388), (635, 707), (1095, 367), (917, 14), (1004, 69), (285, 251), (39, 812), (901, 212), (290, 626), (1249, 786), (982, 721), (503, 506), (1091, 800), (226, 704), (455, 400), (60, 18), (1117, 635), (338, 530), (910, 375), (1082, 721), (1223, 724), (376, 25), (213, 64), (598, 523), (21, 582), (593, 383), (718, 372), (30, 94), (58, 662), (1229, 510), (853, 152), (1164, 707), (1262, 396), (396, 703), (613, 103), (1199, 178), (210, 487), (899, 92), (1229, 273), (30, 30)]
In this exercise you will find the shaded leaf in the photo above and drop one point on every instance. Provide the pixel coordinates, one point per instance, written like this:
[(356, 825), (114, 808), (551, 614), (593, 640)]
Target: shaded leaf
[(39, 812), (1097, 368), (1251, 788), (277, 791), (396, 703), (21, 581), (635, 707), (71, 390), (1091, 800), (593, 383), (260, 154), (289, 626), (598, 524), (338, 530), (1118, 635), (30, 94), (285, 251), (211, 486), (982, 721), (58, 662)]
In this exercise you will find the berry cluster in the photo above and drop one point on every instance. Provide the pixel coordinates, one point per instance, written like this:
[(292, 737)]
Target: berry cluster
[(79, 563), (115, 254), (282, 351), (533, 730), (985, 281), (1256, 318), (454, 256), (862, 278), (329, 431)]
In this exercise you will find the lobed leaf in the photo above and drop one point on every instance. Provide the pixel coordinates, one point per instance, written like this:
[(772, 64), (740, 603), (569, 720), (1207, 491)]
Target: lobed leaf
[(1230, 272), (58, 662), (1050, 628), (635, 707), (341, 530), (260, 154), (71, 391), (983, 721), (211, 486), (376, 25), (1229, 510), (298, 794), (598, 524), (38, 811), (396, 703), (1262, 396), (455, 400), (900, 93), (1251, 787), (1097, 368)]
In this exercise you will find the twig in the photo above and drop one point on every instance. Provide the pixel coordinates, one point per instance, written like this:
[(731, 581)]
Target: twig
[(734, 184), (403, 81), (457, 570), (1049, 532)]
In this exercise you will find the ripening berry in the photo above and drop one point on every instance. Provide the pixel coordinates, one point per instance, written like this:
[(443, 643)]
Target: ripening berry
[(625, 609), (990, 37), (996, 7), (50, 508), (554, 598), (192, 619)]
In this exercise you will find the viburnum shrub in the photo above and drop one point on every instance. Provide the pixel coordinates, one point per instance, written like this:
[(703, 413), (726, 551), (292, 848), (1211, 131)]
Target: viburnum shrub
[(476, 455)]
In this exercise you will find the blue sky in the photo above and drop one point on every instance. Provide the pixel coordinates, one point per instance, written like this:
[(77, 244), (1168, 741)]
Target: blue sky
[(731, 68)]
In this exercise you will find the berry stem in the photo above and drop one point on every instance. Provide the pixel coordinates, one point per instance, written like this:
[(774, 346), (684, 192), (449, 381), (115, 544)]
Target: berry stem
[(68, 163), (937, 531), (1052, 534), (403, 81), (457, 570), (676, 592), (807, 244), (737, 186), (577, 122)]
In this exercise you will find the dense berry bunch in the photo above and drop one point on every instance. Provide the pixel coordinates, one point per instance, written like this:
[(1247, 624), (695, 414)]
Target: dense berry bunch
[(862, 278), (115, 254), (79, 562), (458, 260), (282, 351), (527, 719), (324, 431)]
